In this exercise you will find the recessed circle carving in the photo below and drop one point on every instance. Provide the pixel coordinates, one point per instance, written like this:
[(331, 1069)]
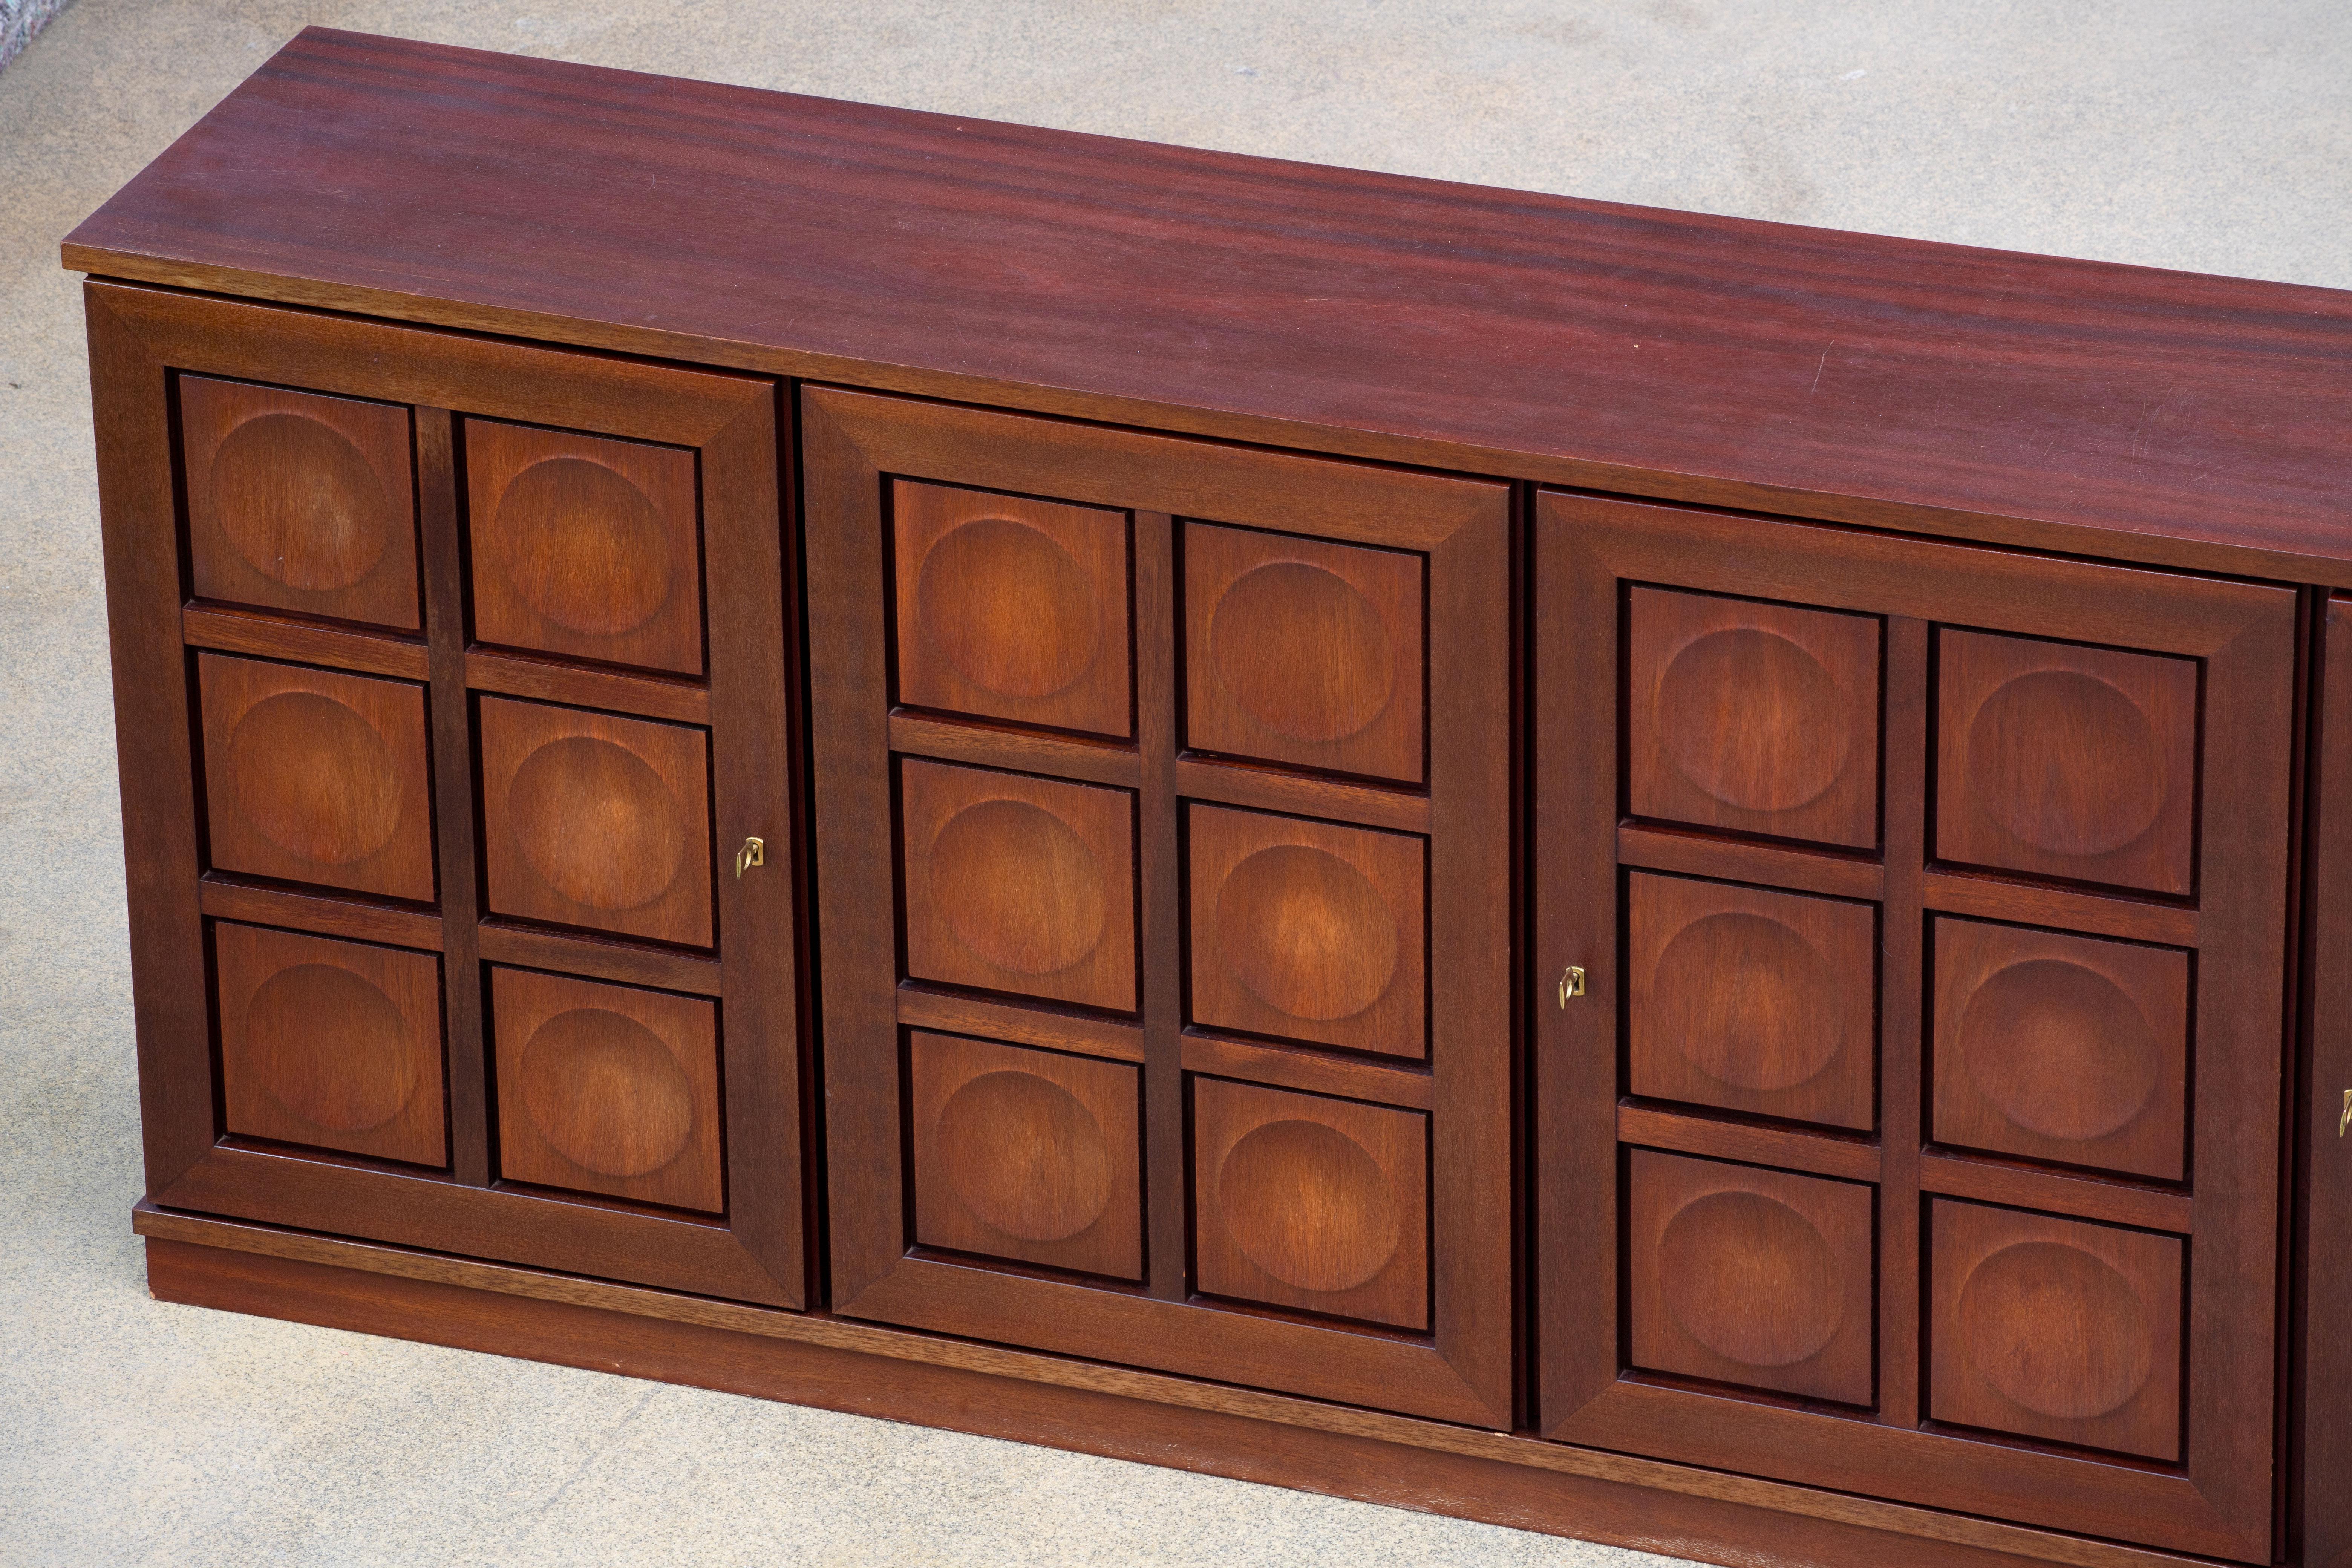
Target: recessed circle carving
[(2059, 1331), (1751, 1280), (1307, 1204), (597, 823), (1306, 933), (583, 546), (606, 1094), (1753, 719), (1018, 886), (2060, 1048), (1008, 607), (299, 503), (330, 1047), (1021, 1153), (1302, 652), (1747, 1001), (314, 778), (2066, 762)]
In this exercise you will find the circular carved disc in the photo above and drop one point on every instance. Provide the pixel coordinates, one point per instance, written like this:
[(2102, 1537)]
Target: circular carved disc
[(1007, 606), (596, 823), (1022, 1154), (299, 503), (1309, 1206), (2056, 1329), (1753, 719), (330, 1047), (1751, 1280), (1302, 652), (582, 546), (1018, 886), (1306, 932), (1748, 1001), (314, 778), (605, 1091), (2062, 1050), (2066, 762)]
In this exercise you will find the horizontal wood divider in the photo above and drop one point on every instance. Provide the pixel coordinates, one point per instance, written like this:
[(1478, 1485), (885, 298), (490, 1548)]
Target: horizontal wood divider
[(1743, 860), (270, 637), (1238, 784), (2081, 1196), (526, 947), (313, 912), (1316, 1072), (189, 1258), (511, 675), (1031, 1025), (2133, 920), (1095, 762), (1823, 1156)]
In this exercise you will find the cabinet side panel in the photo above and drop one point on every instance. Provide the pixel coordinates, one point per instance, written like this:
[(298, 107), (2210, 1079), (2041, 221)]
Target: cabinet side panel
[(2325, 1397)]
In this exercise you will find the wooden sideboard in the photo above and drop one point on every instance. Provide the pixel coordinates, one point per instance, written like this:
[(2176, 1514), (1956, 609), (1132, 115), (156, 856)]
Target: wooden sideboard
[(1652, 877)]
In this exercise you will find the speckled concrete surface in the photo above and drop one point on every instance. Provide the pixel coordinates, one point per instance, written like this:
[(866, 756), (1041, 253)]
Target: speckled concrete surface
[(2211, 135)]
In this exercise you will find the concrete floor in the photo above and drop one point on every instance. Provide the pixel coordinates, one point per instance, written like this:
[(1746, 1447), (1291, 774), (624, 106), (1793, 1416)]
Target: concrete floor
[(2208, 134)]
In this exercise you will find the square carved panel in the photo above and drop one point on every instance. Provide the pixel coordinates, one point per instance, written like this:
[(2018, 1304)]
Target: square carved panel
[(1753, 1001), (2056, 1329), (585, 545), (336, 1045), (591, 820), (1019, 884), (1751, 1277), (1011, 608), (607, 1089), (2062, 1048), (300, 501), (1756, 718), (2067, 762), (1307, 1202), (1308, 930), (313, 776), (1302, 651), (1028, 1154)]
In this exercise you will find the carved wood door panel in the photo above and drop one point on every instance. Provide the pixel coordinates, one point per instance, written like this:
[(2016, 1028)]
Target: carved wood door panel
[(445, 695), (1163, 865), (1916, 1133)]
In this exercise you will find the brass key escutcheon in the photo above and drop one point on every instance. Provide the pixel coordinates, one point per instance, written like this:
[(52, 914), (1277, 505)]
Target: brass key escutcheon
[(753, 853), (1571, 984)]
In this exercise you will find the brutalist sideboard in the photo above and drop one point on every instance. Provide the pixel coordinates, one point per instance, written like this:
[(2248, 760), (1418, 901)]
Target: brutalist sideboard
[(1666, 878)]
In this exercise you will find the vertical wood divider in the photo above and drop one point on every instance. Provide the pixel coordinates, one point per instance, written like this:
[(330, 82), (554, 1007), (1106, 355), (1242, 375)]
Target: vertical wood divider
[(1901, 1023), (1159, 891), (452, 795)]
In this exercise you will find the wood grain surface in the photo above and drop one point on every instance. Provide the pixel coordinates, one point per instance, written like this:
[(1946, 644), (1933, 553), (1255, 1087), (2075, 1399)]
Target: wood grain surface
[(1706, 358)]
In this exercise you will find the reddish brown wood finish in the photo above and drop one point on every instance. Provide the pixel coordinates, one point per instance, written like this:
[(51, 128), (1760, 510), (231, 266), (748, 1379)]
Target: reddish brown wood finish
[(1011, 608), (2053, 1329), (140, 338), (2059, 1048), (1920, 1438), (607, 1089), (331, 1043), (299, 503), (1755, 717), (1750, 1276), (1428, 1329), (1019, 884), (1307, 930), (1303, 652), (595, 821), (583, 546), (1033, 1155), (1752, 1000), (313, 776), (2069, 405)]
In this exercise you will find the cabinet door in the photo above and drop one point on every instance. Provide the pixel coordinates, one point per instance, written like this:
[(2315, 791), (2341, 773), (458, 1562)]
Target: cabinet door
[(1162, 796), (450, 675), (1916, 1133)]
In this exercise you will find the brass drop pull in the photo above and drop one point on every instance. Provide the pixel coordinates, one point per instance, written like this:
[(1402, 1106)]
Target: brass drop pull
[(753, 853), (2345, 1119), (1571, 984)]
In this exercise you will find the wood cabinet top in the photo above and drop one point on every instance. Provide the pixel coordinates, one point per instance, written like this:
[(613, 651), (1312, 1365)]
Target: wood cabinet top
[(1992, 395)]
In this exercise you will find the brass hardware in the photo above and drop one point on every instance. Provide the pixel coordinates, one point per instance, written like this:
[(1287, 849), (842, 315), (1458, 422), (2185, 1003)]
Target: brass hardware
[(1571, 984), (753, 853), (2347, 1119)]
